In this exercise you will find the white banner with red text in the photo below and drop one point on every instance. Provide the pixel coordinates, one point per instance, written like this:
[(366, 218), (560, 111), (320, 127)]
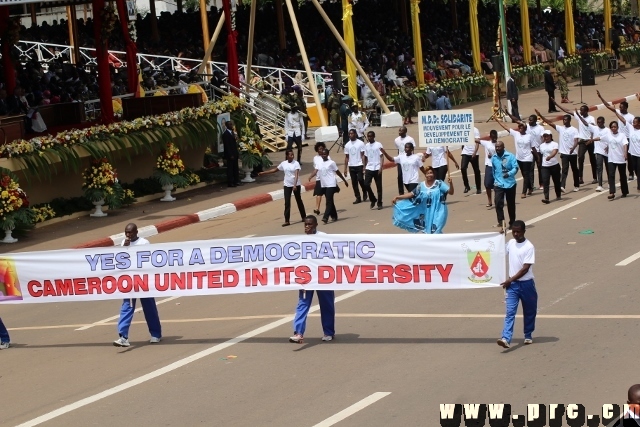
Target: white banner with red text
[(259, 264)]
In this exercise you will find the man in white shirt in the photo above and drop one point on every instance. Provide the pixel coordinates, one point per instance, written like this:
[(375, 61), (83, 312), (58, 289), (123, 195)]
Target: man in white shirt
[(470, 155), (294, 130), (628, 117), (358, 121), (411, 163), (585, 145), (353, 159), (519, 285), (129, 305), (326, 300), (373, 162), (601, 149), (568, 141), (400, 141)]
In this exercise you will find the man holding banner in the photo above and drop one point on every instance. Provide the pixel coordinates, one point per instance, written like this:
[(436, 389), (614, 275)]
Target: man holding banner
[(129, 305), (326, 299), (4, 337)]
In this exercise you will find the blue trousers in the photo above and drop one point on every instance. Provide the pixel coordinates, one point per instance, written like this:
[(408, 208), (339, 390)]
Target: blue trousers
[(150, 314), (327, 311), (4, 334), (524, 291)]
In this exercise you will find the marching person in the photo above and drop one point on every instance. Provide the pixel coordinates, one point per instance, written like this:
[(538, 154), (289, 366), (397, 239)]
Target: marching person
[(231, 155), (535, 130), (489, 151), (618, 145), (600, 149), (524, 156), (624, 112), (411, 163), (470, 156), (439, 156), (505, 168), (400, 141), (5, 340), (294, 129), (633, 136), (585, 143), (550, 166), (326, 299), (520, 285), (353, 159), (327, 171), (292, 184), (358, 121), (373, 165), (426, 211), (567, 142), (317, 189), (149, 308)]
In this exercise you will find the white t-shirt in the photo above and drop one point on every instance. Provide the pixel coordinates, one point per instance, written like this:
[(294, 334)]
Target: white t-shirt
[(629, 120), (470, 149), (401, 141), (616, 147), (410, 167), (289, 169), (139, 241), (566, 140), (327, 171), (523, 146), (583, 131), (536, 134), (373, 152), (599, 147), (317, 160), (546, 148), (520, 254), (634, 139), (354, 149), (438, 156), (489, 150)]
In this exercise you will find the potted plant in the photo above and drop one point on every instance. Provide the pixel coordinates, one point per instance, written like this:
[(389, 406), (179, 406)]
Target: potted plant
[(101, 186), (170, 171), (251, 152), (14, 206)]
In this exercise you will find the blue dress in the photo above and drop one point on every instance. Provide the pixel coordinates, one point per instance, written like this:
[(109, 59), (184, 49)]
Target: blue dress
[(425, 212)]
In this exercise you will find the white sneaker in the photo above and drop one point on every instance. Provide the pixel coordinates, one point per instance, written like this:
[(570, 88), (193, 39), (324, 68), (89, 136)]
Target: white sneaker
[(562, 189), (599, 188), (503, 343), (4, 345), (576, 189), (155, 340), (297, 338), (528, 341), (327, 338), (121, 342)]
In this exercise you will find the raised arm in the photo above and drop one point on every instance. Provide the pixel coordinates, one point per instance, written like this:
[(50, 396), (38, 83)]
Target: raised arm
[(561, 107), (579, 116), (544, 119), (606, 104), (384, 153), (514, 119), (501, 124)]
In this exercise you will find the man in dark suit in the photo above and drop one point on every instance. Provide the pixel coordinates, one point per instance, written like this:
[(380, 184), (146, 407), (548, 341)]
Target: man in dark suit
[(512, 95), (550, 88), (231, 154)]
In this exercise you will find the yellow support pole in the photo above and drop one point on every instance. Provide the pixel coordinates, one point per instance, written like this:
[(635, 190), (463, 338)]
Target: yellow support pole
[(212, 43), (347, 26), (475, 36), (417, 40), (568, 27), (252, 25), (607, 24), (205, 31), (526, 32)]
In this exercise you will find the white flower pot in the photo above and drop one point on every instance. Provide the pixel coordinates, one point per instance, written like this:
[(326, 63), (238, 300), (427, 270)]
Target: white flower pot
[(167, 193), (8, 238), (247, 175), (98, 212)]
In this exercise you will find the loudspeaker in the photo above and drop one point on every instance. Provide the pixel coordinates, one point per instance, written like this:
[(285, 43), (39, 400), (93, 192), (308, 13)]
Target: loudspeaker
[(337, 80), (588, 75), (498, 65)]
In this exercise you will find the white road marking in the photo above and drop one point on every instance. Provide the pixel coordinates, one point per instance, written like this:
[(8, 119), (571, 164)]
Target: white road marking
[(356, 407), (169, 368), (576, 289), (629, 260), (109, 319)]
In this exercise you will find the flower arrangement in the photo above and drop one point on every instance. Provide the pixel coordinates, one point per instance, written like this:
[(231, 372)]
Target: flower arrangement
[(465, 82), (101, 183), (251, 151), (170, 169), (43, 213), (108, 16), (527, 70), (211, 159), (14, 204)]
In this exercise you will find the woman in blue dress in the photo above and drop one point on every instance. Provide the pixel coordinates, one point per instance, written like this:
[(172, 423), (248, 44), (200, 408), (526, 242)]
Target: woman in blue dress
[(424, 210)]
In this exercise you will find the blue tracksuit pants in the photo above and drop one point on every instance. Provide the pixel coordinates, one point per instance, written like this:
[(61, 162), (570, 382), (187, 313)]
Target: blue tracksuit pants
[(4, 334), (524, 291), (326, 299), (150, 314)]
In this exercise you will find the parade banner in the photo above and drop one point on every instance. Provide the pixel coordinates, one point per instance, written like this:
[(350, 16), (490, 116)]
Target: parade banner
[(445, 127), (259, 264)]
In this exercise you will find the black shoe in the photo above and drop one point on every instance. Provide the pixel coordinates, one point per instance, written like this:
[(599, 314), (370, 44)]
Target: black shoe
[(357, 201), (478, 191), (364, 199), (317, 212), (466, 189), (326, 221), (231, 185), (379, 207), (373, 203)]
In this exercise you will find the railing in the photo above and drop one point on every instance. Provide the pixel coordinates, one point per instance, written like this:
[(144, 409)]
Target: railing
[(270, 79)]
